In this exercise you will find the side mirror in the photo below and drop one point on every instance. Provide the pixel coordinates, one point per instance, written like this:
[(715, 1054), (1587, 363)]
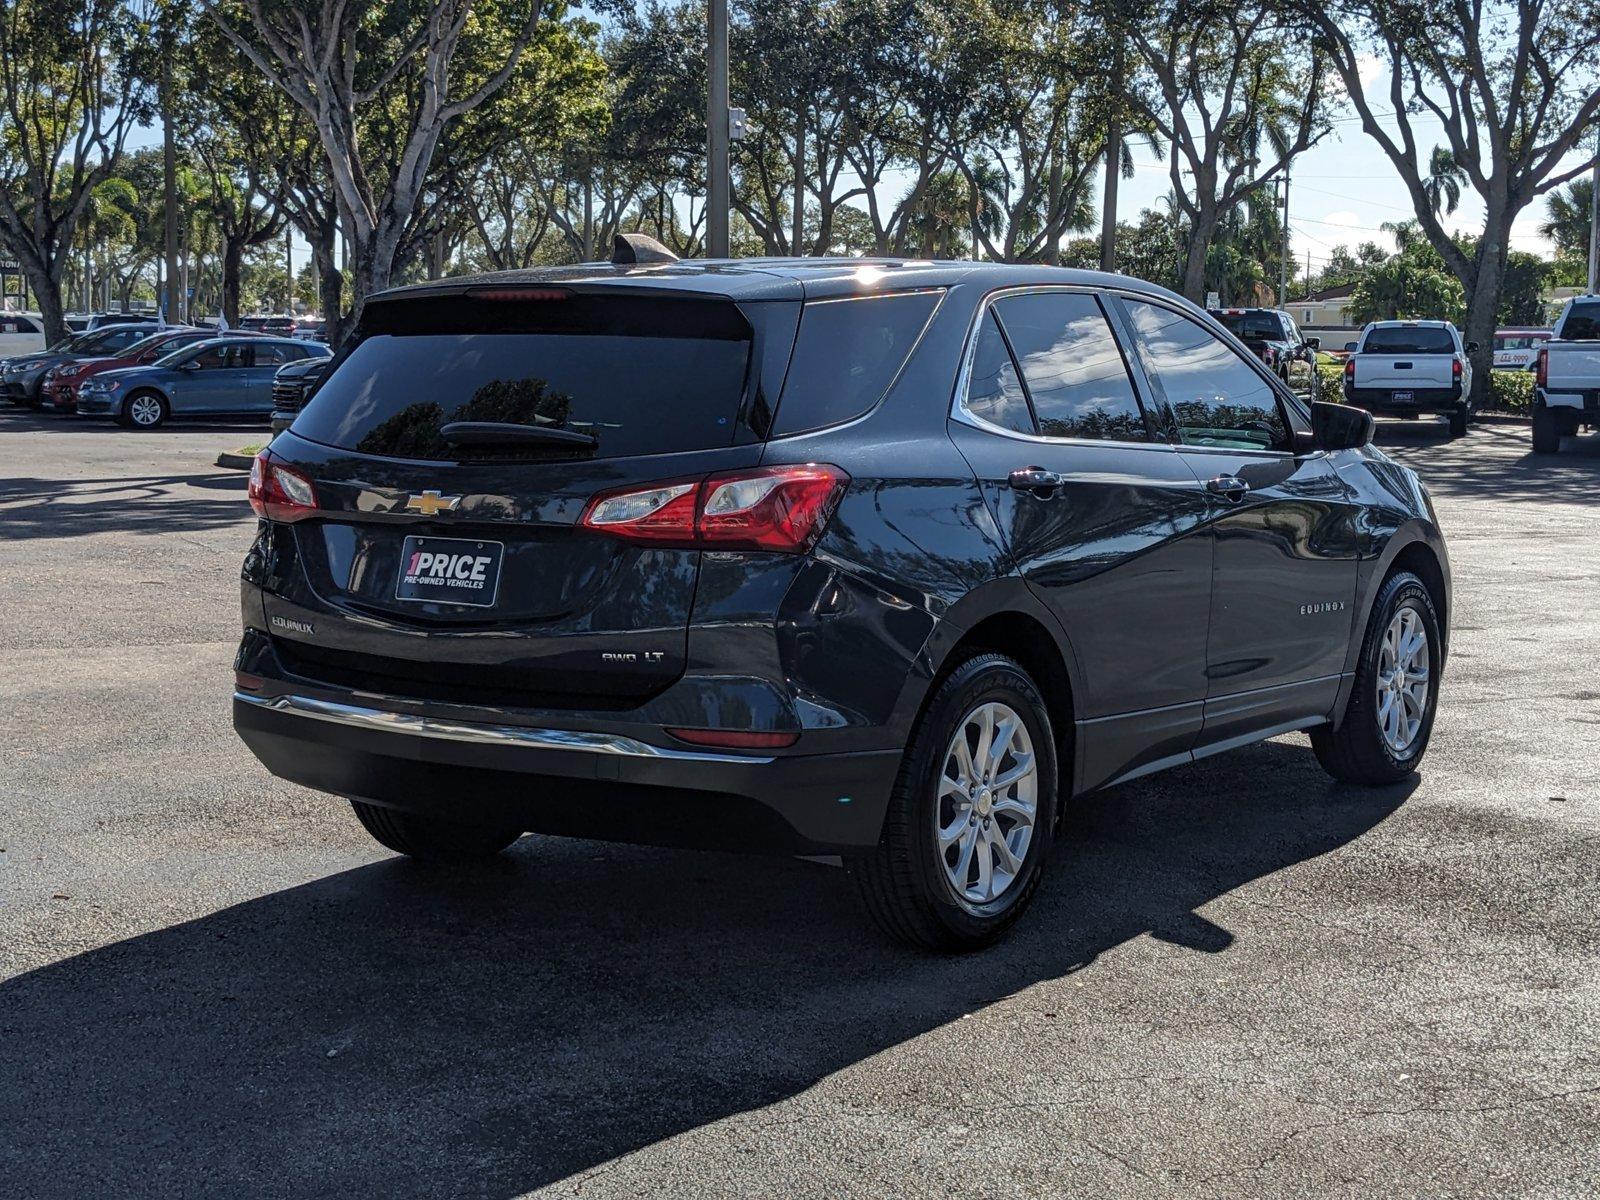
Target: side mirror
[(1341, 427), (1350, 346), (191, 365), (1314, 342), (1472, 347)]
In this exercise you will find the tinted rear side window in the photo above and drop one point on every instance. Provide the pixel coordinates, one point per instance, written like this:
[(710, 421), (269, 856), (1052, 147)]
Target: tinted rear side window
[(1582, 323), (1402, 339), (641, 375), (1073, 370), (994, 391), (846, 355)]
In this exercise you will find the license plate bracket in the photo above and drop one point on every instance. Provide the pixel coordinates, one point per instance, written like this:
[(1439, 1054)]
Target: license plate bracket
[(450, 571), (1405, 397)]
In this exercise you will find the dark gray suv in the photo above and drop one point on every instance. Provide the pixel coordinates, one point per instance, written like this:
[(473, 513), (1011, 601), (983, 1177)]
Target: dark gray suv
[(886, 560)]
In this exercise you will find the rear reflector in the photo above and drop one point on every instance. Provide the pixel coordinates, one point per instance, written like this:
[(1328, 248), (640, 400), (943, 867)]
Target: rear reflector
[(280, 493), (735, 739), (772, 508)]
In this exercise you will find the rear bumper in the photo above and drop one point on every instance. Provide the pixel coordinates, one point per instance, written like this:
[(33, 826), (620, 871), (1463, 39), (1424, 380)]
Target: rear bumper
[(580, 784), (1572, 399), (1424, 400)]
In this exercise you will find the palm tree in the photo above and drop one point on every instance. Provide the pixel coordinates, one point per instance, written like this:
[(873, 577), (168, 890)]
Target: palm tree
[(1444, 182), (1568, 211)]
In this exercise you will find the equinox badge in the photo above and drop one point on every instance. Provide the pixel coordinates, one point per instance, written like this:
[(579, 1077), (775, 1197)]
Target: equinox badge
[(431, 503)]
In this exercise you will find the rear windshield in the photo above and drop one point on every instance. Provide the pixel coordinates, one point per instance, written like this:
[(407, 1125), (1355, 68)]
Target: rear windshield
[(1246, 325), (640, 375), (1582, 323), (1409, 339)]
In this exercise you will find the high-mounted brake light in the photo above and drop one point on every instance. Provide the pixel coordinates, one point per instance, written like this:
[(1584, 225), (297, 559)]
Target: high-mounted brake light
[(514, 294), (771, 508), (280, 493)]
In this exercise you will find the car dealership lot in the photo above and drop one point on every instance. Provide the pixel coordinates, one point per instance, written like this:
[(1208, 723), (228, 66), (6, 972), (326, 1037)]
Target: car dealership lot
[(1243, 979)]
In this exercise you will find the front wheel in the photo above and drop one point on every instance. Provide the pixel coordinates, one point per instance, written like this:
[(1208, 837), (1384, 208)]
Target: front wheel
[(430, 839), (969, 824), (146, 410), (1389, 717)]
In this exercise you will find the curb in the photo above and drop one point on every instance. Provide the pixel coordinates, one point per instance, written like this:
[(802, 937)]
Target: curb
[(1494, 418), (236, 462)]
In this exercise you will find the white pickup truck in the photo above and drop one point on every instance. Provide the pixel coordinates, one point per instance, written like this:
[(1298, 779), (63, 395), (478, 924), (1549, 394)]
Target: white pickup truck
[(1409, 369), (1566, 391)]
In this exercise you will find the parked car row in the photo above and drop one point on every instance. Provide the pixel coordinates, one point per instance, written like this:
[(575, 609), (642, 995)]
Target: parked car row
[(144, 375)]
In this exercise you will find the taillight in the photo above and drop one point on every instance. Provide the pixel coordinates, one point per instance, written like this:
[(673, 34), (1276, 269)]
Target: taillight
[(1455, 369), (1350, 370), (280, 493), (1541, 373), (771, 508)]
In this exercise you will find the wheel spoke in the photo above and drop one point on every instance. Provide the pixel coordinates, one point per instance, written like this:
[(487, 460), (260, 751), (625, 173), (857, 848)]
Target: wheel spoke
[(1021, 768), (980, 754), (1009, 862), (1020, 813), (985, 856), (952, 832), (1000, 745), (963, 867), (963, 756)]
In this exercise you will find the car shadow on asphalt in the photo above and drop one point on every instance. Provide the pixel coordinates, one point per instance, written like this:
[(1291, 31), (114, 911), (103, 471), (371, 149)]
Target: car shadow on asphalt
[(1478, 466), (396, 1030), (145, 504)]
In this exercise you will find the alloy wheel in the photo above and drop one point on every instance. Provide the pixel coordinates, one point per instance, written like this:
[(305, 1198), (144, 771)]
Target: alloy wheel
[(1403, 681), (988, 802), (145, 411)]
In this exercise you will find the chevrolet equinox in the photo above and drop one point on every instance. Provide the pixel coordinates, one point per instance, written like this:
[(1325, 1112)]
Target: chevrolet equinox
[(884, 560)]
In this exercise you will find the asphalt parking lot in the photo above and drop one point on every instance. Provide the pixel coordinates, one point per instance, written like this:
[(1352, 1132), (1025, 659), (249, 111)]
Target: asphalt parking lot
[(1241, 979)]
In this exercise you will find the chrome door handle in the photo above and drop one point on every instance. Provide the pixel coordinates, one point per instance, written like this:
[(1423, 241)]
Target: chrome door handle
[(1230, 486), (1033, 478)]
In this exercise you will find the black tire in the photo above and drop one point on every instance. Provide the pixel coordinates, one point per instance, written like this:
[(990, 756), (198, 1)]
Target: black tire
[(429, 839), (1546, 430), (126, 413), (1458, 422), (1357, 752), (904, 884)]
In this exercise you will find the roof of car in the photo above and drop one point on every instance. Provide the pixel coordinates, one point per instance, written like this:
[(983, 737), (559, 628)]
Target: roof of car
[(1410, 324), (778, 278)]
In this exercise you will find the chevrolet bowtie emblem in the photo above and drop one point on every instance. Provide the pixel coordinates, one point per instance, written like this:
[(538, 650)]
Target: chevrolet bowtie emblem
[(431, 503)]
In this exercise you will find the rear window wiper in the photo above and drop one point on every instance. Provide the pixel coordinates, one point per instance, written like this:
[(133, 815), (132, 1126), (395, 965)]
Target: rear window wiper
[(500, 433)]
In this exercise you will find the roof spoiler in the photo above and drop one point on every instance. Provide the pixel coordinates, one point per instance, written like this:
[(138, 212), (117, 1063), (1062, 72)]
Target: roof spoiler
[(632, 248)]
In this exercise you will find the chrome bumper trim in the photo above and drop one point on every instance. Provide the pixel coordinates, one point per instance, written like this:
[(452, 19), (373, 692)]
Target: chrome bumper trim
[(482, 734)]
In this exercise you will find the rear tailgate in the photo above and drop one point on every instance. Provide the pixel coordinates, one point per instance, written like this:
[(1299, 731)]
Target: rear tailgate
[(1572, 366), (441, 572), (1391, 372)]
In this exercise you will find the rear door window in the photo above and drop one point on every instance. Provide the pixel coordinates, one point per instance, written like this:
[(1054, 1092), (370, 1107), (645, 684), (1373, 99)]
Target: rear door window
[(1217, 398), (1409, 339), (642, 375), (846, 355), (1071, 366)]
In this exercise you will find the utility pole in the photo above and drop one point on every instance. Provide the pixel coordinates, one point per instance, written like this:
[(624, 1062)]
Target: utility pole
[(1283, 258), (1594, 214), (1108, 207), (719, 190), (169, 167)]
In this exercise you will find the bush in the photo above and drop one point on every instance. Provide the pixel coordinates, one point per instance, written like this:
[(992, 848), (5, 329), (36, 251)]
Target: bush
[(1511, 391)]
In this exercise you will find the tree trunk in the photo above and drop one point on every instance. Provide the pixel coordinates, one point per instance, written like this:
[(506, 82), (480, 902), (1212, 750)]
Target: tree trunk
[(232, 261), (1194, 267), (46, 287), (797, 242), (1483, 301)]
